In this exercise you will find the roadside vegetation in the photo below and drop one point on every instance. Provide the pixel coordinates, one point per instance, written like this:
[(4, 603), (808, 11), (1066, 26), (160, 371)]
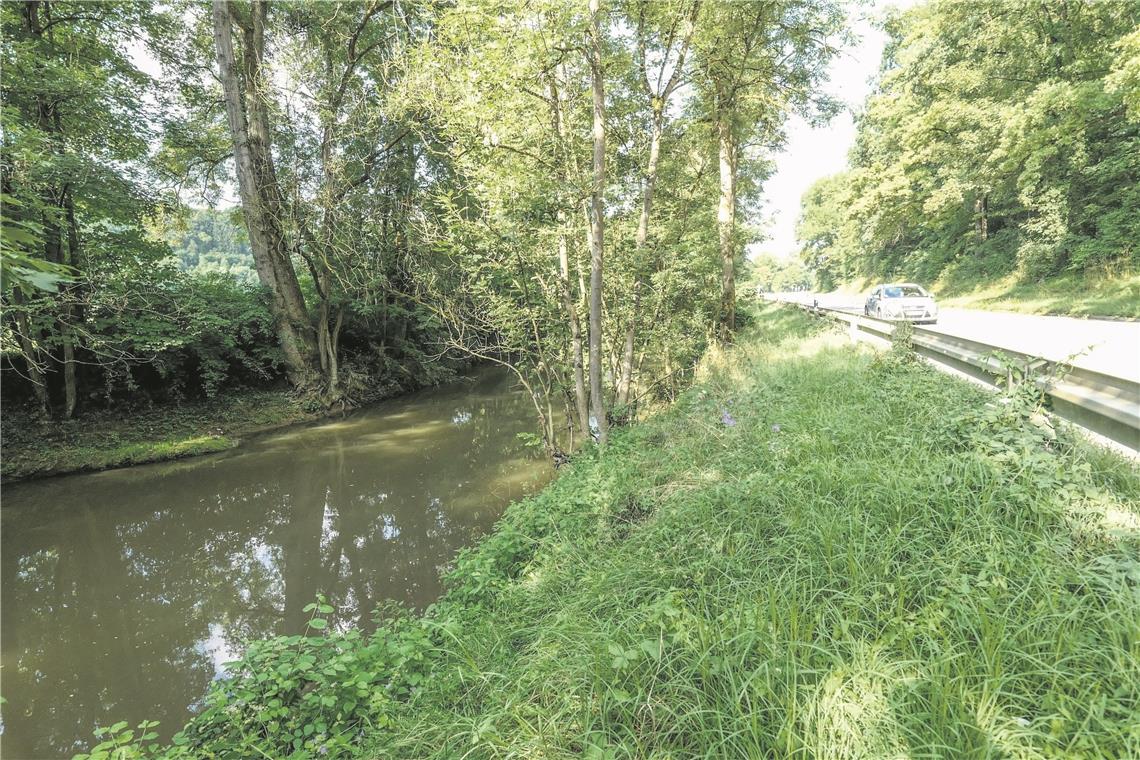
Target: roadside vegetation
[(995, 160), (1105, 296), (818, 551), (1074, 295)]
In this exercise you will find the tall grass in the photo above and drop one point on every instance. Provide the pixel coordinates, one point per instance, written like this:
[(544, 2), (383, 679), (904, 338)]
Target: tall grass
[(817, 553)]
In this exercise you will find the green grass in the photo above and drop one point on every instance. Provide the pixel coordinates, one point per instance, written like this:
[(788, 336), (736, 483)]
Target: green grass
[(864, 580), (1073, 295), (34, 448), (873, 561)]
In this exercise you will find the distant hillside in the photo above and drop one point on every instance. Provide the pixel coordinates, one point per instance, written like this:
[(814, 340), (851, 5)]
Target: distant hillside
[(1001, 145), (213, 241)]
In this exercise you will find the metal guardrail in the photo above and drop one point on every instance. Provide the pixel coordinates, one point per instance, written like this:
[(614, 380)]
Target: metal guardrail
[(1105, 404)]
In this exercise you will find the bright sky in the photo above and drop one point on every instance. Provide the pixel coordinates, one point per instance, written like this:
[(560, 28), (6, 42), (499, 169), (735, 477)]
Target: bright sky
[(814, 153)]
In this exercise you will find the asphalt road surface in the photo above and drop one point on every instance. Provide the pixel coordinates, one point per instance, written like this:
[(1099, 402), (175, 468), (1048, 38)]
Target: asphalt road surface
[(1102, 345)]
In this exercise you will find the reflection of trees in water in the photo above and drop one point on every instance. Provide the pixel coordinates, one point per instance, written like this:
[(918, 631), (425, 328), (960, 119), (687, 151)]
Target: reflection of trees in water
[(118, 588), (105, 615)]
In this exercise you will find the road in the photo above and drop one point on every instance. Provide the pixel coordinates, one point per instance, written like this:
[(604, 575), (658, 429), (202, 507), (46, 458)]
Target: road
[(1101, 345)]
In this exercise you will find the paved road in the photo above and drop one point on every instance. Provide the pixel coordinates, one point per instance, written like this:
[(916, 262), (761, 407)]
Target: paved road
[(1102, 345)]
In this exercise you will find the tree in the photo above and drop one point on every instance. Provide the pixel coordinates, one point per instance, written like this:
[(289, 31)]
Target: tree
[(828, 239), (663, 35), (74, 196), (597, 222), (756, 61), (998, 141), (247, 98)]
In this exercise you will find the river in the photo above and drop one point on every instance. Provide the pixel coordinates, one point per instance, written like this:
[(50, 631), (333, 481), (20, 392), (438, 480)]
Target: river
[(125, 591)]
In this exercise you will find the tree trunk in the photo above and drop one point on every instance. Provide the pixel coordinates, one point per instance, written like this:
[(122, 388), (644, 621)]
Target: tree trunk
[(981, 212), (625, 379), (260, 193), (580, 400), (726, 227), (569, 303), (71, 313), (597, 223), (31, 352)]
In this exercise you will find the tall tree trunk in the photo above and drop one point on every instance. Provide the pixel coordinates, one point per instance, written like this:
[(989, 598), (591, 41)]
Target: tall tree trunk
[(597, 223), (982, 212), (31, 352), (726, 226), (569, 303), (326, 340), (71, 313), (571, 309), (625, 379), (260, 193)]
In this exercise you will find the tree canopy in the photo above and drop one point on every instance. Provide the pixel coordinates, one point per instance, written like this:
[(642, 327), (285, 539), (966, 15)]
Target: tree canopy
[(533, 184), (1002, 137)]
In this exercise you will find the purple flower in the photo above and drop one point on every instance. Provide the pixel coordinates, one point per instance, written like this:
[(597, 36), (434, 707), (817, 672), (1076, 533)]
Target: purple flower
[(727, 419)]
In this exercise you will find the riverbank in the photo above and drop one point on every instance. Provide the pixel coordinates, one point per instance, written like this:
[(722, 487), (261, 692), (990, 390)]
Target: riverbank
[(817, 551), (101, 440), (31, 447)]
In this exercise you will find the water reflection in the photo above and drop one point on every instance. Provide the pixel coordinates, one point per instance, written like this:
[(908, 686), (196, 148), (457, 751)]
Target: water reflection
[(124, 592)]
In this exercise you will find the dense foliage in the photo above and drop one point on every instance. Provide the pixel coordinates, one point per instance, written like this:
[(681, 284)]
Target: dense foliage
[(207, 241), (775, 274), (535, 184), (1003, 137)]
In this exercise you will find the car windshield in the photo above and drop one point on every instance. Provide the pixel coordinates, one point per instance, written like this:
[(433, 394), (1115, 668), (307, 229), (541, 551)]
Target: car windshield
[(904, 291)]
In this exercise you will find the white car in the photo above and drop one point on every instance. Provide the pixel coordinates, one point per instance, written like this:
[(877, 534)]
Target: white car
[(901, 301)]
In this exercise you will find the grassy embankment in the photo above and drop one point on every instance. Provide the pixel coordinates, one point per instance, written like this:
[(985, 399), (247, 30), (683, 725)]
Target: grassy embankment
[(818, 552), (102, 440), (1071, 295), (873, 561)]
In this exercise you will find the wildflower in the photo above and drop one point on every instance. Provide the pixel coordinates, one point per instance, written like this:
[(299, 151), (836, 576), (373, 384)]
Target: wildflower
[(727, 419), (775, 428)]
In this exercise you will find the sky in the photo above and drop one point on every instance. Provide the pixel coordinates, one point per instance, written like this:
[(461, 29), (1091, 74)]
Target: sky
[(813, 153)]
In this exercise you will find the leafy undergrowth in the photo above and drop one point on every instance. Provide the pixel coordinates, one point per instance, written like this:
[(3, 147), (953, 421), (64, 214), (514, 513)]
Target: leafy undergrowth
[(818, 552), (33, 448)]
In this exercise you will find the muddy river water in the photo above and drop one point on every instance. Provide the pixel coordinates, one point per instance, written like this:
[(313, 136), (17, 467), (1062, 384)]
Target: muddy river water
[(125, 591)]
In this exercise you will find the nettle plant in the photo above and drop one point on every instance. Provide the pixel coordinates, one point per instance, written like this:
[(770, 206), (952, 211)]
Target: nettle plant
[(120, 742), (311, 695), (1017, 423)]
